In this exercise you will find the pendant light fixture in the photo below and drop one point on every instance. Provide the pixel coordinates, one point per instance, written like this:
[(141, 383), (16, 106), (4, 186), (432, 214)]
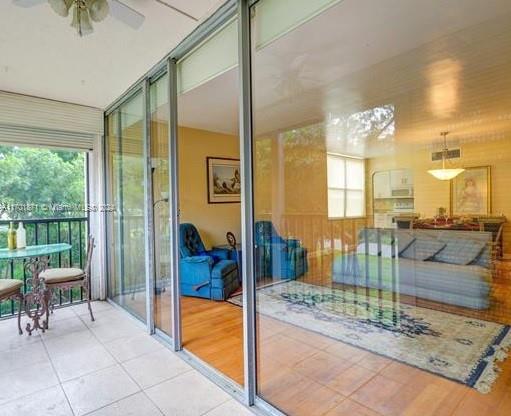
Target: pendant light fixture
[(445, 174)]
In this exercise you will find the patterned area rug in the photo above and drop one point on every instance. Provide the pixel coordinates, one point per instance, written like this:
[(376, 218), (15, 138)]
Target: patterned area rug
[(462, 349)]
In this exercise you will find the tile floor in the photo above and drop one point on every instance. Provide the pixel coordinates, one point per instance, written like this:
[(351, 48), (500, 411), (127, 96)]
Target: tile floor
[(102, 368)]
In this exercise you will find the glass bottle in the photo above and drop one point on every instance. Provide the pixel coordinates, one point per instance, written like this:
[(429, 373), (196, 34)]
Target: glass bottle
[(11, 237), (21, 236)]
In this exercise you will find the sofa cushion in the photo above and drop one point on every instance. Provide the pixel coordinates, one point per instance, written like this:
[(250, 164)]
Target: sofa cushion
[(461, 251), (423, 248), (484, 257), (404, 239)]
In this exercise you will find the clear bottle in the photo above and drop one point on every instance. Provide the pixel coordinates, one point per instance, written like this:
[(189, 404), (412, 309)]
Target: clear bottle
[(21, 236), (11, 237)]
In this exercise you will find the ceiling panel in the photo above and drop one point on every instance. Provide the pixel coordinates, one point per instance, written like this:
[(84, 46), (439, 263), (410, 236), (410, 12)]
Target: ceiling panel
[(41, 55)]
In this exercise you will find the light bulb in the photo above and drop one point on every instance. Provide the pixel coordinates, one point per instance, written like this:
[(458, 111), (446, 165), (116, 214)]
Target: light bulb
[(61, 7), (98, 10), (81, 21)]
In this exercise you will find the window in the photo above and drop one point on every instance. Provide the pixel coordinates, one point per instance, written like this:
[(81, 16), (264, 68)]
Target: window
[(346, 186)]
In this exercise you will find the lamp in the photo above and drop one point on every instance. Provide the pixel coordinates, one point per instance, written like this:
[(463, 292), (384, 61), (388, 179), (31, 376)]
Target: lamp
[(61, 7), (445, 174), (81, 19)]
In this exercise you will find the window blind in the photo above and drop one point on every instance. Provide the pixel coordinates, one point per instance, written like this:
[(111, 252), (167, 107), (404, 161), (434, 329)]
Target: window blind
[(33, 121)]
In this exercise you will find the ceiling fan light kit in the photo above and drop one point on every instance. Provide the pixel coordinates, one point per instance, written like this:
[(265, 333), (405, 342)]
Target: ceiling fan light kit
[(81, 21), (61, 7), (84, 12)]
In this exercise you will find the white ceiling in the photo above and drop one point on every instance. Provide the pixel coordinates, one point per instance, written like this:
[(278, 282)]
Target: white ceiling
[(41, 55), (441, 64)]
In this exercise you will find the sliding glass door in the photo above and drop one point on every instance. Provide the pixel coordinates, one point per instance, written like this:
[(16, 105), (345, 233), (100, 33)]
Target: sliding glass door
[(125, 225), (159, 137), (382, 146)]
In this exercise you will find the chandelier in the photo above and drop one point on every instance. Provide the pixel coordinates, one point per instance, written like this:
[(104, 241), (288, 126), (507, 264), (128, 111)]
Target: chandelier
[(445, 174), (84, 12)]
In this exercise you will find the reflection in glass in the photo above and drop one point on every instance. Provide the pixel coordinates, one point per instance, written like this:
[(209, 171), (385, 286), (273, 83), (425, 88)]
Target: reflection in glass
[(126, 224), (159, 107), (367, 266)]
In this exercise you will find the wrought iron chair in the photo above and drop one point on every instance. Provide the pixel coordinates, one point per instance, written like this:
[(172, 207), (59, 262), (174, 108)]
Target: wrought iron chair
[(69, 278), (11, 289)]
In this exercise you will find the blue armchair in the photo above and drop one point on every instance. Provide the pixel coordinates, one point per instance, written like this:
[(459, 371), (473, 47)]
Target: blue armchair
[(205, 274), (277, 257)]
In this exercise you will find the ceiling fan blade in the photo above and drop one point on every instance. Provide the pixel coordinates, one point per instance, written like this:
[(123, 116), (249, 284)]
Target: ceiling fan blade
[(27, 3), (126, 14)]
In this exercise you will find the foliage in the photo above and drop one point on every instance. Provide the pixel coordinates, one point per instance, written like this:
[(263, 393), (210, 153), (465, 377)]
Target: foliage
[(48, 179)]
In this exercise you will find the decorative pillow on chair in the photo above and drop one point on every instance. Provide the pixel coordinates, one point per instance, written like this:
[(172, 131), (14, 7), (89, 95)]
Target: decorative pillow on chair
[(423, 248), (461, 251)]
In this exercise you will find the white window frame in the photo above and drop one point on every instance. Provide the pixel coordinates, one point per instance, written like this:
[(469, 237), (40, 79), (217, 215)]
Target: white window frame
[(345, 189)]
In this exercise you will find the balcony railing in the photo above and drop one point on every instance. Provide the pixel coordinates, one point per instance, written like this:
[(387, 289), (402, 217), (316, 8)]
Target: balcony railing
[(73, 231)]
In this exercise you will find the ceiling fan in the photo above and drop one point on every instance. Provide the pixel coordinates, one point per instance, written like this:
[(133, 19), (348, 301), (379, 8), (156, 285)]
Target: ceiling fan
[(84, 12)]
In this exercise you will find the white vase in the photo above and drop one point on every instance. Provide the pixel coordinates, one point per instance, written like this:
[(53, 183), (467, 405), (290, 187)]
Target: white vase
[(21, 236)]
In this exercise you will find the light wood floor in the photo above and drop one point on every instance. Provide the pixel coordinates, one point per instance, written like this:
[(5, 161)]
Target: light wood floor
[(304, 373)]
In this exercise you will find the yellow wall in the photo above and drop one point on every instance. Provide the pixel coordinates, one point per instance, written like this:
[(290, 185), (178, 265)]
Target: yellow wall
[(212, 220), (431, 193), (290, 171), (290, 183)]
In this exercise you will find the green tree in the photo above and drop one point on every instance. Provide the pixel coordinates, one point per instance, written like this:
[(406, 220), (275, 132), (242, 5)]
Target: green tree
[(42, 177)]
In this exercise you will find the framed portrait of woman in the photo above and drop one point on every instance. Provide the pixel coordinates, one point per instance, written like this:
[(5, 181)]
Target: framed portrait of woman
[(471, 192)]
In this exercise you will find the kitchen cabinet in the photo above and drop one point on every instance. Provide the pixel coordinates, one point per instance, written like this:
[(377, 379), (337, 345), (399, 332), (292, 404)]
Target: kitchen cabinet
[(401, 178), (381, 185)]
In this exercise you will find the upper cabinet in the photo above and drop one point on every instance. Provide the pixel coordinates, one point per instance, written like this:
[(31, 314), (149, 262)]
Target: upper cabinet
[(402, 178), (381, 185), (396, 183)]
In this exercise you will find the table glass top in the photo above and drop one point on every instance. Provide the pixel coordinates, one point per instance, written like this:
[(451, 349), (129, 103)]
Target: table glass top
[(33, 251)]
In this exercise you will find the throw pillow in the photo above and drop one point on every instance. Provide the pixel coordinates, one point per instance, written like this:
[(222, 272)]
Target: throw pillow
[(423, 248), (461, 251), (403, 240)]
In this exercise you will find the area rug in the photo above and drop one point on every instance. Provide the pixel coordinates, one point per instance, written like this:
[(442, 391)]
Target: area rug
[(462, 349)]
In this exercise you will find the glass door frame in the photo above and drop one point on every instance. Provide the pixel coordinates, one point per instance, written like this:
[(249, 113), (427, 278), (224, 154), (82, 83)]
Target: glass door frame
[(241, 10)]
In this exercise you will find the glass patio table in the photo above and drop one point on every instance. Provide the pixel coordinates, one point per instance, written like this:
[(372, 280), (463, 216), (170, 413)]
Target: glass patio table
[(38, 258)]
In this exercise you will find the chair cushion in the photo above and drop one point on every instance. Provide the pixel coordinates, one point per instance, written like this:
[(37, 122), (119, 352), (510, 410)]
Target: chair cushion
[(9, 286), (61, 275)]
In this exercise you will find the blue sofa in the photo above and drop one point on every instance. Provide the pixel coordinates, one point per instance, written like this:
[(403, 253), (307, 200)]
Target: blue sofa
[(452, 267), (209, 274), (277, 257)]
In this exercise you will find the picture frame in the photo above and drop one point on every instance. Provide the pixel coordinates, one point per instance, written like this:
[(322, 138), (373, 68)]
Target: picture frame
[(471, 192), (223, 180)]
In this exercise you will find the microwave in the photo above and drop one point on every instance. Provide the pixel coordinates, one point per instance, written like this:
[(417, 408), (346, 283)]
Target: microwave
[(401, 192)]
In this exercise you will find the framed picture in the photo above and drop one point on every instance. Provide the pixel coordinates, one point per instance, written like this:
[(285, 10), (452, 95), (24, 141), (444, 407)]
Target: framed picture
[(471, 192), (224, 181)]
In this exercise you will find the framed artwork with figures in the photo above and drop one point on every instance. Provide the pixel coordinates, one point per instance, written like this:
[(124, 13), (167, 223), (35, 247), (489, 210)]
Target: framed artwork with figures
[(471, 192), (224, 180)]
